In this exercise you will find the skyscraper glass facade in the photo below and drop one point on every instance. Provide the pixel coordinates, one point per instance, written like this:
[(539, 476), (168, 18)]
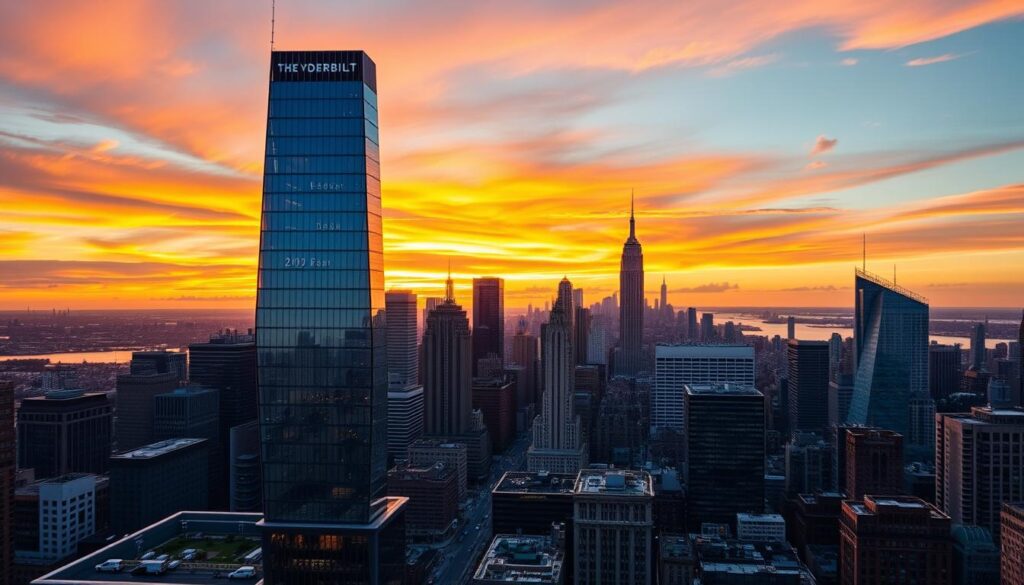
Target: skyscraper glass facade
[(320, 335), (891, 338)]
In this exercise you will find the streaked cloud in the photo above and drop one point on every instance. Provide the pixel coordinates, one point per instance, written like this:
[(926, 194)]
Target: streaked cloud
[(922, 61)]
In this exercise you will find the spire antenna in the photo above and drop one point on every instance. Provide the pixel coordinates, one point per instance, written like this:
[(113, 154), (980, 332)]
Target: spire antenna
[(449, 286), (863, 265), (632, 218), (273, 14)]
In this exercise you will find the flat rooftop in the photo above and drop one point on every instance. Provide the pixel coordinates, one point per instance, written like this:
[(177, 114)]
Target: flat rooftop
[(520, 559), (721, 390), (224, 539), (747, 517), (157, 449), (541, 482), (705, 350), (614, 482)]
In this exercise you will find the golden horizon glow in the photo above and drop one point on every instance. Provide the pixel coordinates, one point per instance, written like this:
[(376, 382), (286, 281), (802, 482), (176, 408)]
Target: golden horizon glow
[(761, 144)]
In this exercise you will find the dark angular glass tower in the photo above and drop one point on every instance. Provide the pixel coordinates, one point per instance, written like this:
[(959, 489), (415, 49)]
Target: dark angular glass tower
[(629, 360), (891, 338), (320, 331)]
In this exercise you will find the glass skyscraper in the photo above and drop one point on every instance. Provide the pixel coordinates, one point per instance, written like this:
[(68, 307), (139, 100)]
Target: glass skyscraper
[(891, 339), (320, 331)]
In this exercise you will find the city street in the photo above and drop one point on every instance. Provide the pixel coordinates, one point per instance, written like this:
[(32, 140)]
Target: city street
[(457, 561)]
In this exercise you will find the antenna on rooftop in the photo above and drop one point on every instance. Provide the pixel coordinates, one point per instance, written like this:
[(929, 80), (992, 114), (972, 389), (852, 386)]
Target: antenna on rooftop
[(864, 254), (273, 11)]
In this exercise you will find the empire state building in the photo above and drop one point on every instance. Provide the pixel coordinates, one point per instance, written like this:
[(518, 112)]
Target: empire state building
[(629, 359)]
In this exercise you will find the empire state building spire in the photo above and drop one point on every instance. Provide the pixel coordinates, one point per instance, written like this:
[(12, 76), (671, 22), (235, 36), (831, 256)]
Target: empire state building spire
[(629, 359)]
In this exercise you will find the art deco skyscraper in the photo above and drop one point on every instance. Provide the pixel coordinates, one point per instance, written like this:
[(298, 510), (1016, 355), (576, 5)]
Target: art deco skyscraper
[(320, 332), (890, 332), (447, 369), (488, 320), (557, 439), (629, 360)]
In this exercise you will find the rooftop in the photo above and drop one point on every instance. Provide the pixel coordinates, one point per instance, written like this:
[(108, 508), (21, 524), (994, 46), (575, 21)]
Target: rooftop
[(721, 390), (696, 350), (675, 547), (223, 540), (891, 285), (541, 482), (157, 449), (520, 559), (747, 517), (614, 482)]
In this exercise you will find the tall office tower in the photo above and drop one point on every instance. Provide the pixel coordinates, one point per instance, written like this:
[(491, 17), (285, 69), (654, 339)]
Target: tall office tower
[(1020, 359), (808, 385), (488, 319), (724, 451), (808, 465), (943, 370), (692, 329), (402, 337), (405, 418), (135, 395), (629, 360), (447, 369), (835, 356), (891, 337), (558, 444), (430, 303), (874, 462), (187, 412), (154, 481), (901, 539), (64, 431), (677, 365), (840, 392), (524, 353), (495, 398), (978, 361), (581, 329), (577, 297), (227, 364), (146, 363), (613, 522), (707, 327), (323, 367), (598, 340), (8, 465), (244, 470), (664, 293), (194, 412), (1011, 539), (978, 461), (791, 327)]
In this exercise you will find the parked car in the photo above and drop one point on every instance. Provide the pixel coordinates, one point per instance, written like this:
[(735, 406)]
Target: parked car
[(173, 564), (110, 566), (147, 556), (243, 573), (189, 554), (163, 557)]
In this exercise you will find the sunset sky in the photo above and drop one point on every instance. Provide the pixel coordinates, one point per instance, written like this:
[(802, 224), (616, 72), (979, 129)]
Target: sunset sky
[(762, 140)]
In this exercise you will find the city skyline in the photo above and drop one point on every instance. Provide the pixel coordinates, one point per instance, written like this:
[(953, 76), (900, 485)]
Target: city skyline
[(131, 171)]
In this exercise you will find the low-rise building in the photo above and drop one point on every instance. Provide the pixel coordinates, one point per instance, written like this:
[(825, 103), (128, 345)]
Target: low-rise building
[(433, 499), (760, 527), (515, 558), (426, 452)]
